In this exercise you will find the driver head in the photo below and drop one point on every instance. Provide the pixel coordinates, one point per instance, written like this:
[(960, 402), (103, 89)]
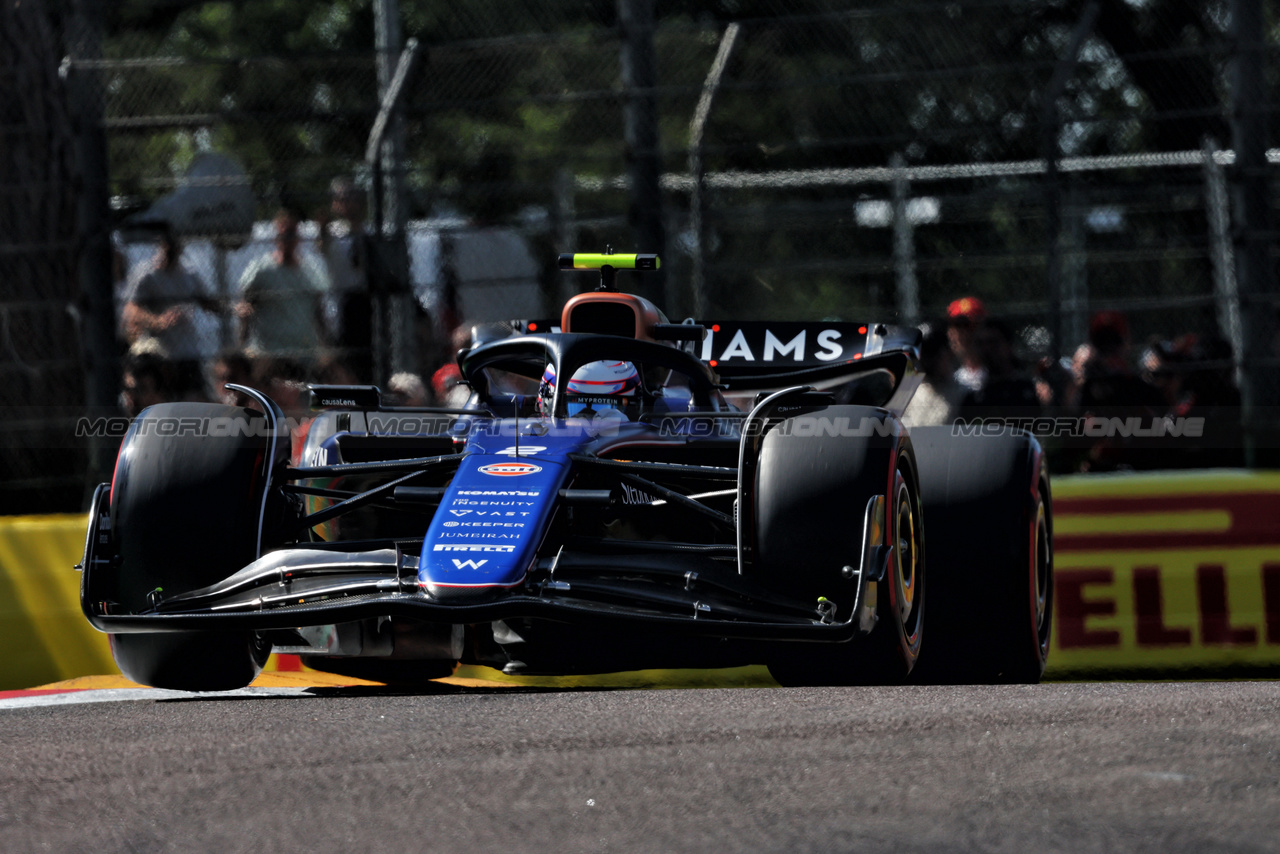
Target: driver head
[(595, 389)]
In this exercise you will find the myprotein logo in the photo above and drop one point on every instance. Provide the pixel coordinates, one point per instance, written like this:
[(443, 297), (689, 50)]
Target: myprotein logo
[(511, 469)]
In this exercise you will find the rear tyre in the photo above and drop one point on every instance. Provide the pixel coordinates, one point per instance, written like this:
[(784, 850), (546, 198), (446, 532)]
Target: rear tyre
[(812, 495), (990, 543), (185, 513)]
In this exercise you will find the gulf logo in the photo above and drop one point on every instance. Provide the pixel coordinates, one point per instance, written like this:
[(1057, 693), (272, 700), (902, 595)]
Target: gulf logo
[(512, 469)]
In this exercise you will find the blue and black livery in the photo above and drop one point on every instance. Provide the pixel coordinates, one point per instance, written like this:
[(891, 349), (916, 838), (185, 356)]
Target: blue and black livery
[(761, 501)]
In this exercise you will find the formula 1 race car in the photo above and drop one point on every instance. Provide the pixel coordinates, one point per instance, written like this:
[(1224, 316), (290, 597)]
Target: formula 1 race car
[(619, 492)]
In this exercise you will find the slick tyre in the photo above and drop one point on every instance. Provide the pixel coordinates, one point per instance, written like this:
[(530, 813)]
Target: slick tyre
[(812, 496), (186, 506), (990, 543)]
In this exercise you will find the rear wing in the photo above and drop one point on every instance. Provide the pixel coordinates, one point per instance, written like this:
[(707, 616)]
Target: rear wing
[(869, 363), (866, 363)]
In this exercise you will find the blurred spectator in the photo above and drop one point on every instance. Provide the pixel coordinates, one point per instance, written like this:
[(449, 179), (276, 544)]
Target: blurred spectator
[(147, 379), (281, 306), (407, 389), (1080, 360), (284, 381), (965, 318), (232, 367), (1194, 377), (350, 255), (163, 311), (1112, 389), (939, 395), (447, 382), (120, 281), (1007, 390), (449, 388), (331, 370)]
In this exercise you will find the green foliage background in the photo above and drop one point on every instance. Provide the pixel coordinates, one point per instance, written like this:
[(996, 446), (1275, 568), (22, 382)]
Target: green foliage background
[(517, 93)]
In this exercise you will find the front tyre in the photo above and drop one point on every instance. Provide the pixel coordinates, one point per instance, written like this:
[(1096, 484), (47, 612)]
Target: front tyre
[(812, 498), (190, 661), (186, 512)]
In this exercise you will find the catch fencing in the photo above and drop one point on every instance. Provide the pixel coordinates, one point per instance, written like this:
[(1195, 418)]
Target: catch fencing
[(853, 161)]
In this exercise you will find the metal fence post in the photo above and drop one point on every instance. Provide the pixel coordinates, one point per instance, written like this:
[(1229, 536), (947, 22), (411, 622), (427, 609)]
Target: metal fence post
[(564, 216), (93, 224), (697, 168), (1053, 183), (904, 245), (640, 130), (1074, 271), (1222, 254), (1259, 390), (393, 344)]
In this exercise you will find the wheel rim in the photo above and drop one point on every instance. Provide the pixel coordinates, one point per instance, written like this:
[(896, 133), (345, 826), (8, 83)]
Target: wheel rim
[(1042, 576), (904, 553), (908, 589)]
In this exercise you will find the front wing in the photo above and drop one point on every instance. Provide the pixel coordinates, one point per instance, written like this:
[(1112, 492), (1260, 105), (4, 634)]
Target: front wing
[(689, 589)]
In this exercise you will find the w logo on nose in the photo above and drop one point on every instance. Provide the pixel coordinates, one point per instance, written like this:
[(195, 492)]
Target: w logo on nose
[(469, 564)]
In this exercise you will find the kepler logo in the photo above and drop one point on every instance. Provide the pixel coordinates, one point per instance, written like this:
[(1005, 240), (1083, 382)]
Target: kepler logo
[(512, 469)]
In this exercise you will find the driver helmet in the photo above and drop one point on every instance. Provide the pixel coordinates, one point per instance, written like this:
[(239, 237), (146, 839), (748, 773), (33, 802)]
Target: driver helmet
[(596, 388)]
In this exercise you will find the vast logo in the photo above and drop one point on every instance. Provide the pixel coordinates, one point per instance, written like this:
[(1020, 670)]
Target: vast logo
[(512, 469), (469, 564)]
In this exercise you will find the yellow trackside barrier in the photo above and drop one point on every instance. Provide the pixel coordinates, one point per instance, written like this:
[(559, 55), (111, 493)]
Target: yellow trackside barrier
[(1156, 572), (1167, 571), (45, 636)]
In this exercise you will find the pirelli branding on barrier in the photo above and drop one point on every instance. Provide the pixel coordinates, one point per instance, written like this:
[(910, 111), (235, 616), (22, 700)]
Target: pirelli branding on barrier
[(1166, 571)]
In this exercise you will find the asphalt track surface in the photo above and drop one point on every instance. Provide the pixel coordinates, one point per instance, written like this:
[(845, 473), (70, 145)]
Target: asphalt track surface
[(1057, 767)]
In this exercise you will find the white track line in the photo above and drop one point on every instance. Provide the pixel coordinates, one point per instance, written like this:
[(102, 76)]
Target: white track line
[(114, 695)]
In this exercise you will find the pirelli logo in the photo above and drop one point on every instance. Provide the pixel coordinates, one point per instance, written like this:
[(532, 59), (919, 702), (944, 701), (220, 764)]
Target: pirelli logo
[(1167, 571)]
